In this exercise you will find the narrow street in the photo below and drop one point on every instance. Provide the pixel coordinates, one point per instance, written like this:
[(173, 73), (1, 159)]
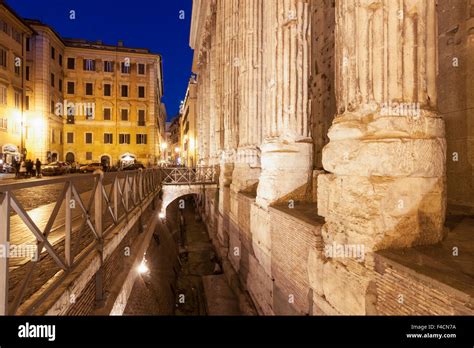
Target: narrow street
[(191, 284)]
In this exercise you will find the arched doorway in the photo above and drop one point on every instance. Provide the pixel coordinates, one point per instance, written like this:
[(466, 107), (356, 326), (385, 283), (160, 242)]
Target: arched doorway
[(54, 157), (70, 158)]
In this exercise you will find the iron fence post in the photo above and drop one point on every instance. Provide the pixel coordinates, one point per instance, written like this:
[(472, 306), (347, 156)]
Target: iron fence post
[(5, 245)]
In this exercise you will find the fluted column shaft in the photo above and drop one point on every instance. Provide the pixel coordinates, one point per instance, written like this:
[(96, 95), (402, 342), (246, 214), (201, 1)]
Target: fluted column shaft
[(286, 148), (387, 144)]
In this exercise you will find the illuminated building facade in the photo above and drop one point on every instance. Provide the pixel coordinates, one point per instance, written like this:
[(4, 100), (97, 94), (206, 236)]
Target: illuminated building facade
[(78, 101)]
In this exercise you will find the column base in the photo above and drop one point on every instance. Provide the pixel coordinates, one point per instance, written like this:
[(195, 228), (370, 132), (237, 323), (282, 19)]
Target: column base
[(286, 167), (388, 183)]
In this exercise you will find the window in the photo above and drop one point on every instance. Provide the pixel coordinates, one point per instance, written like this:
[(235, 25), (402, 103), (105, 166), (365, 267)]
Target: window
[(71, 63), (124, 139), (89, 88), (16, 35), (28, 44), (52, 107), (3, 94), (70, 116), (125, 67), (27, 73), (88, 156), (124, 114), (53, 140), (60, 60), (17, 100), (89, 65), (108, 66), (107, 114), (27, 102), (89, 112), (88, 138), (141, 69), (60, 85), (5, 27), (108, 138), (141, 118), (124, 91), (3, 123), (107, 90), (61, 138), (53, 53), (141, 139), (141, 92), (52, 80), (17, 65), (3, 57), (70, 138), (70, 87)]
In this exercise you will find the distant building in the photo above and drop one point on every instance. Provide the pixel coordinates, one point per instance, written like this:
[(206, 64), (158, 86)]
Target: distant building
[(15, 36), (188, 126), (175, 141), (77, 101)]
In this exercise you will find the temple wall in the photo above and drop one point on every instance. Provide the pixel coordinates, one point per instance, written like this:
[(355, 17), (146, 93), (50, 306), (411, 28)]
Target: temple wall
[(304, 98)]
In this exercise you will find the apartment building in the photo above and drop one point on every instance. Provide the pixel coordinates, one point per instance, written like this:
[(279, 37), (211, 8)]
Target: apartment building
[(112, 103), (188, 127), (14, 36), (77, 101)]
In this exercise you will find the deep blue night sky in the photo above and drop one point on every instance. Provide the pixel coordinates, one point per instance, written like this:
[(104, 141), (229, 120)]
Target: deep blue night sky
[(153, 24)]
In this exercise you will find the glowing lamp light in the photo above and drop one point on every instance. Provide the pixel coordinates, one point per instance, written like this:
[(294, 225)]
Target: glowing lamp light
[(177, 150), (162, 216), (17, 115), (143, 268)]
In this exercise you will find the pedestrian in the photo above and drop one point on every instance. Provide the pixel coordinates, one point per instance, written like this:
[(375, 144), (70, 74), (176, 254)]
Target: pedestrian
[(38, 168), (29, 168), (15, 167), (22, 171)]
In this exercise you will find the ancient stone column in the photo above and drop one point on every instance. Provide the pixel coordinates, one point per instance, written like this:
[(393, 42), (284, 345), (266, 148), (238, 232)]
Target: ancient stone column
[(387, 144), (229, 10), (286, 157), (249, 62)]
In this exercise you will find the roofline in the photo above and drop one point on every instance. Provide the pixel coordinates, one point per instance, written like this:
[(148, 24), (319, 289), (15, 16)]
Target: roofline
[(37, 22), (75, 43), (17, 16), (69, 42)]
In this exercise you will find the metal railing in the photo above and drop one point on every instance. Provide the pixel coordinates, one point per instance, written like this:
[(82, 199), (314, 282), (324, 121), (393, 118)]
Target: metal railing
[(189, 176), (77, 221)]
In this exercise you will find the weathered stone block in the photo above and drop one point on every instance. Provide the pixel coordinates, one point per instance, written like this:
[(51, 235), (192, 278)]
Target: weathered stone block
[(382, 212), (286, 166), (346, 287), (315, 271)]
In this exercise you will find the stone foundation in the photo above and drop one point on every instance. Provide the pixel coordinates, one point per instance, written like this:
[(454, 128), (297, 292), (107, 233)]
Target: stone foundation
[(281, 261)]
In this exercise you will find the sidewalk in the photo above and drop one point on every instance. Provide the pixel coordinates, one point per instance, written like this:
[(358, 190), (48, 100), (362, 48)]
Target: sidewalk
[(4, 176)]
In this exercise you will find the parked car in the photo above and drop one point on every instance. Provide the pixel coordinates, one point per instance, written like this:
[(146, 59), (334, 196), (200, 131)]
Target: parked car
[(134, 166), (91, 167), (56, 168), (8, 168)]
